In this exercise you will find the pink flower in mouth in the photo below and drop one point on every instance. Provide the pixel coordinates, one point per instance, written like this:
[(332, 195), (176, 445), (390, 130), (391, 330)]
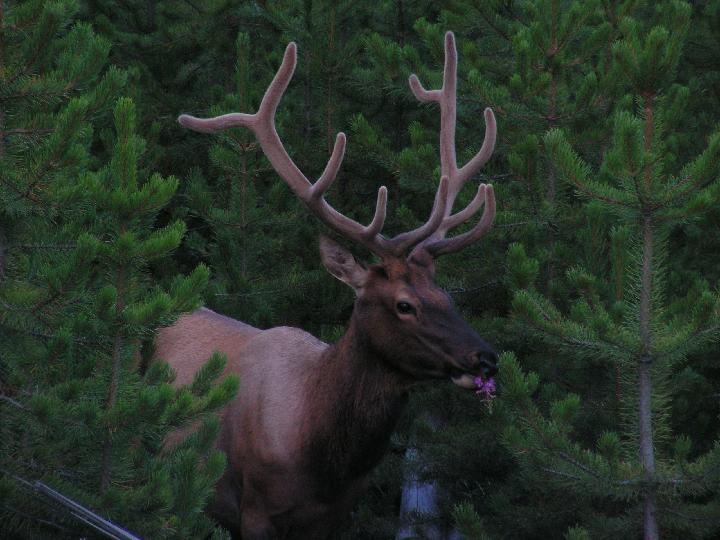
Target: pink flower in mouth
[(485, 388)]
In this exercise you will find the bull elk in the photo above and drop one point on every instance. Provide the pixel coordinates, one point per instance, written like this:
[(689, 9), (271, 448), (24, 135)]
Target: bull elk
[(312, 419)]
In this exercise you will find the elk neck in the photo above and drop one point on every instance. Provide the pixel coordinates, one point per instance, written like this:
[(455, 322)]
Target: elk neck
[(356, 401)]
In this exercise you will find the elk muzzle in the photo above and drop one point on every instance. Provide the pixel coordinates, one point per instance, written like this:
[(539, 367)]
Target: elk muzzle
[(482, 362)]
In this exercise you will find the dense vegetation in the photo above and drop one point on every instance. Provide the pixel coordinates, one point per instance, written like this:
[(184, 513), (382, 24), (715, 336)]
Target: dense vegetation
[(599, 280)]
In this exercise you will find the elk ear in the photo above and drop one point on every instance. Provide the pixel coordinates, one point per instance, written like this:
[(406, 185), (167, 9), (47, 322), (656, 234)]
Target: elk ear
[(341, 264)]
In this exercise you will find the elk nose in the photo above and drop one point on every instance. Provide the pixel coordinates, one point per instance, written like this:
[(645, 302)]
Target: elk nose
[(485, 362)]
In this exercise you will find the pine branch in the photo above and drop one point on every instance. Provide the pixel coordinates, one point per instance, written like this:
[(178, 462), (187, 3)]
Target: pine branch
[(562, 474), (709, 333), (11, 401), (697, 519), (79, 512)]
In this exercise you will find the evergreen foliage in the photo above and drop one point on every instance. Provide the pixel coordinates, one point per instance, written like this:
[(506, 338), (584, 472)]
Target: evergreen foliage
[(633, 329), (77, 410)]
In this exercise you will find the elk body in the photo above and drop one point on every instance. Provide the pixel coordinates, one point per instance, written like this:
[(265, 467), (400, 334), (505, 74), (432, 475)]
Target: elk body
[(312, 420)]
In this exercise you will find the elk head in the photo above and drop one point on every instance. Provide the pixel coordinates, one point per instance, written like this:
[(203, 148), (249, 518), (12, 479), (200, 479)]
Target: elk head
[(409, 322), (400, 312)]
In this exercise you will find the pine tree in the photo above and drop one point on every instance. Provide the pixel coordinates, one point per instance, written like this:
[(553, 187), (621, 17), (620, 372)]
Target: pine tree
[(53, 80), (128, 309), (174, 51), (85, 418), (640, 475), (231, 239)]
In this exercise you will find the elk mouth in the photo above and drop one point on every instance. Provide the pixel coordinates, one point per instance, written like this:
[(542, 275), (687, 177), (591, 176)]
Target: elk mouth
[(463, 379), (476, 371)]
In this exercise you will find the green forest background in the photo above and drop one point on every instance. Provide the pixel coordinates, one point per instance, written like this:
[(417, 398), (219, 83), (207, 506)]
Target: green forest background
[(599, 279)]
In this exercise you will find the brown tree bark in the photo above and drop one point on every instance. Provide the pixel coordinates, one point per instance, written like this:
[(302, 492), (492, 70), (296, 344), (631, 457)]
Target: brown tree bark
[(647, 452)]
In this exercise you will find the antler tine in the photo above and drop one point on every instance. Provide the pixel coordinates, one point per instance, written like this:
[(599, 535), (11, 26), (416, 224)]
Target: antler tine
[(486, 150), (402, 242), (219, 123), (266, 111), (456, 243), (465, 214), (446, 97), (262, 124)]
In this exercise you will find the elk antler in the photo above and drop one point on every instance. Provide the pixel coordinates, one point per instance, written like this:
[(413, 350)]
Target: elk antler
[(437, 244), (262, 124)]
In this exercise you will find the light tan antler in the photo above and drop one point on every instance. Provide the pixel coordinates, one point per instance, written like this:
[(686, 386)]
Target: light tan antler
[(262, 124), (437, 244)]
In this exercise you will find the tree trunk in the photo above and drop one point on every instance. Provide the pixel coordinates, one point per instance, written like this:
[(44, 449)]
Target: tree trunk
[(307, 128), (107, 461), (647, 455), (551, 180), (419, 498), (419, 508), (2, 66)]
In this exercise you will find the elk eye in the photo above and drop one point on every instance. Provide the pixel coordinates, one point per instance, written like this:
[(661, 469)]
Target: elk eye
[(405, 308)]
